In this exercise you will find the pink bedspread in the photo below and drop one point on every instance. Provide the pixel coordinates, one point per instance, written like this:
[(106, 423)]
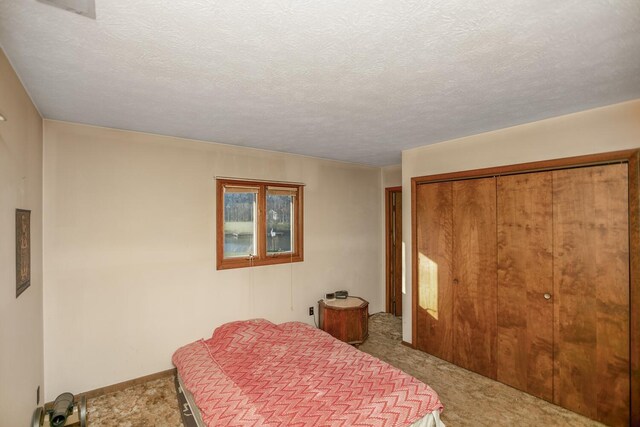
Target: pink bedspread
[(255, 373)]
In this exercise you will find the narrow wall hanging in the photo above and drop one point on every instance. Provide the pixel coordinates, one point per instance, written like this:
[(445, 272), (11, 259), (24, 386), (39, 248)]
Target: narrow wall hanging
[(23, 250)]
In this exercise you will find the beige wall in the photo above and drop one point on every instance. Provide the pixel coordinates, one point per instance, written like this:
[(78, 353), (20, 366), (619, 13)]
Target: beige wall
[(130, 248), (391, 176), (611, 128), (21, 365)]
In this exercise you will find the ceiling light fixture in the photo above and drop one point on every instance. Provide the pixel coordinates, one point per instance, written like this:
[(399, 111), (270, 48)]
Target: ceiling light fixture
[(2, 118)]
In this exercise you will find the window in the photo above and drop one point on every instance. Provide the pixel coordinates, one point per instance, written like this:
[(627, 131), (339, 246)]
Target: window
[(258, 223)]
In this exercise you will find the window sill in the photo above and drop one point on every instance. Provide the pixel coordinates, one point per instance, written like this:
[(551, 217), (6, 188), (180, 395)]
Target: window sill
[(227, 264)]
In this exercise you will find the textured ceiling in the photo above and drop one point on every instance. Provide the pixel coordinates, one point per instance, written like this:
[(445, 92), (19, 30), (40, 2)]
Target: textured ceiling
[(357, 81)]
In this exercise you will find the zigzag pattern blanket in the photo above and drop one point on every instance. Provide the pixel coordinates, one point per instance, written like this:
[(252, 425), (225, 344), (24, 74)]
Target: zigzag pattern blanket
[(255, 373)]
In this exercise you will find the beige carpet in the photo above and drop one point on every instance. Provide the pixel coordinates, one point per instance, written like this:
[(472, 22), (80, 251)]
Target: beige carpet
[(469, 399)]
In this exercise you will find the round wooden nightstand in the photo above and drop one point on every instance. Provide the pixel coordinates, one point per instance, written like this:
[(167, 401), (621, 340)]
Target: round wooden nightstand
[(346, 319)]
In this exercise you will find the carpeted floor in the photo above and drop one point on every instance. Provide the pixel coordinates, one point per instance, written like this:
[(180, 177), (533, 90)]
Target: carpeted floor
[(469, 399)]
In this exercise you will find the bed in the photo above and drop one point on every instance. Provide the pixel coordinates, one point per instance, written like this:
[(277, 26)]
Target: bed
[(256, 373)]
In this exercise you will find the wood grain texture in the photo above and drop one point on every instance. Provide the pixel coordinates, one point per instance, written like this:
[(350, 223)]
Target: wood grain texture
[(525, 274), (348, 324), (634, 270), (591, 288), (475, 275), (630, 157), (389, 253), (544, 165), (261, 258), (434, 234), (414, 262), (397, 256)]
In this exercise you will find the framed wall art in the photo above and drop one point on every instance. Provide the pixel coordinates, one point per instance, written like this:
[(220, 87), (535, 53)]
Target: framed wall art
[(23, 250)]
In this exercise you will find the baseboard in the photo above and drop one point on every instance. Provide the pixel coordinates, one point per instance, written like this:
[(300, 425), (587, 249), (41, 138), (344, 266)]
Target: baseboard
[(121, 386), (407, 344)]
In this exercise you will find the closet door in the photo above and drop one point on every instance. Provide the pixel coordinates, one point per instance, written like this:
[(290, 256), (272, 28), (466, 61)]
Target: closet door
[(435, 294), (525, 283), (591, 292), (474, 275)]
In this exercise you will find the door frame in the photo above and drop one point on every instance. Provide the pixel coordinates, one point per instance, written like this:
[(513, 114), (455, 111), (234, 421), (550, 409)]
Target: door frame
[(632, 158), (388, 244)]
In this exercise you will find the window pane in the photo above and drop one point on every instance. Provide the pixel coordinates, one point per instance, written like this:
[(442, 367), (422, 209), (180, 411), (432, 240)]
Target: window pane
[(280, 217), (239, 224)]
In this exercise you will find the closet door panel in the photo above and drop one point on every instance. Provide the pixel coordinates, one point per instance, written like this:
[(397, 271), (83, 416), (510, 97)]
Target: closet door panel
[(525, 277), (591, 292), (474, 278), (435, 294)]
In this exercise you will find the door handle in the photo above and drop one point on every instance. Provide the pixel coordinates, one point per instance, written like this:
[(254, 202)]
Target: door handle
[(547, 296)]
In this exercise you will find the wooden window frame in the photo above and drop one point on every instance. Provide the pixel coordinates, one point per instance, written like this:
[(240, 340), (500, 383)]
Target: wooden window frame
[(262, 257)]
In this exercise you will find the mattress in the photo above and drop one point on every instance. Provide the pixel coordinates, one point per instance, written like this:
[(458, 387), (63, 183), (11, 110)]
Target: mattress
[(255, 373)]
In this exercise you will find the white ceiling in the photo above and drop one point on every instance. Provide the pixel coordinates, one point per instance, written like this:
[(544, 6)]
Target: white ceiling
[(356, 80)]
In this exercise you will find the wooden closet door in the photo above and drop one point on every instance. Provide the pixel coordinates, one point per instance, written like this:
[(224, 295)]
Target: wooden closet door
[(474, 275), (525, 280), (591, 292), (435, 295)]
